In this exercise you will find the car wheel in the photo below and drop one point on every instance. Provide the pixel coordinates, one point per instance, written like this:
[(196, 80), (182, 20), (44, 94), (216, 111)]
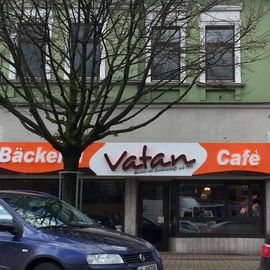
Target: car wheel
[(48, 266)]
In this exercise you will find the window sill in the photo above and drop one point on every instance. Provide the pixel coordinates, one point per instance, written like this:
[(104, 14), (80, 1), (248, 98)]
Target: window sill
[(220, 85), (163, 84), (159, 84)]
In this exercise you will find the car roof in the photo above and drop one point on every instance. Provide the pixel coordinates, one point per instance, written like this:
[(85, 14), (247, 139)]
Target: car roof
[(4, 193)]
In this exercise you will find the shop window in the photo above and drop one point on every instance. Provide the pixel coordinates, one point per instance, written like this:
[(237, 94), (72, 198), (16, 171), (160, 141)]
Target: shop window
[(245, 200), (220, 209), (103, 200), (50, 186)]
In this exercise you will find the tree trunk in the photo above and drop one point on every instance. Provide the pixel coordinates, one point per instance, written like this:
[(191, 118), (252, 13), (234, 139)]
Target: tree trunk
[(69, 176)]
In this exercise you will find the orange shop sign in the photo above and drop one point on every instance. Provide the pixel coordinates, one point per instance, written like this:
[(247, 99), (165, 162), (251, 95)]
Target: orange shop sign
[(37, 157), (140, 159)]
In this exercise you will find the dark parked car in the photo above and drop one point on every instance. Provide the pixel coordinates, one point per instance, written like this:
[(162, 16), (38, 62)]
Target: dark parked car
[(152, 231), (40, 232), (265, 255)]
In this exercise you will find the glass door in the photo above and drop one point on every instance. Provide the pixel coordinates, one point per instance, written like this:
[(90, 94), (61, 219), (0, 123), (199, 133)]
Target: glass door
[(153, 213)]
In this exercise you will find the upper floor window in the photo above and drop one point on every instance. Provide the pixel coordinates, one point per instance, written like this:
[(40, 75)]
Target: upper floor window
[(220, 36), (32, 44), (219, 53), (86, 52), (166, 48)]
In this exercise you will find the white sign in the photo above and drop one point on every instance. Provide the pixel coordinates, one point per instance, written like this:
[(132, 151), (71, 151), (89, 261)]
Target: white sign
[(157, 159)]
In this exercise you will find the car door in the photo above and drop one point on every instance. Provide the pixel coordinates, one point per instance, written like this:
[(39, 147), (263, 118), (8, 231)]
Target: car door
[(11, 247)]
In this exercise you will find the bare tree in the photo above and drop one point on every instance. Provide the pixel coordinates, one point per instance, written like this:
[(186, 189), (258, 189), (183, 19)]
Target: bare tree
[(83, 66)]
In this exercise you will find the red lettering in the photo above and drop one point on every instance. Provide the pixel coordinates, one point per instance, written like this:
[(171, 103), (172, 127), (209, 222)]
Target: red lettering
[(114, 166), (144, 158), (158, 160), (183, 158), (130, 163)]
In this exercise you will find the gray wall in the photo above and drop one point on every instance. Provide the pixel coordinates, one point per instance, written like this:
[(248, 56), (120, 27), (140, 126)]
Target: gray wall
[(204, 123), (216, 245), (185, 123)]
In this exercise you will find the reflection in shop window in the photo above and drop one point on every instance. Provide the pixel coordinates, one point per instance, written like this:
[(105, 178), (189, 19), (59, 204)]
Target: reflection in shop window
[(50, 186), (103, 200), (238, 200), (220, 208), (245, 200), (201, 200)]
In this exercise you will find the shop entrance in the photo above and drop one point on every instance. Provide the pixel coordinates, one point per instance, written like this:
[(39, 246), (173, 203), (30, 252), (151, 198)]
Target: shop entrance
[(153, 220)]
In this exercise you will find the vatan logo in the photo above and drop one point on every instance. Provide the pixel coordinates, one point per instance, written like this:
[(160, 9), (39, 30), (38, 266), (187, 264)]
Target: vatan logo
[(142, 258)]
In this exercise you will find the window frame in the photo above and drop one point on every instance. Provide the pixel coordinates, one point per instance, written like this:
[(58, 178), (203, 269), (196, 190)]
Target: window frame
[(169, 45), (178, 22), (222, 15), (90, 41), (102, 66), (32, 40), (220, 45), (31, 14)]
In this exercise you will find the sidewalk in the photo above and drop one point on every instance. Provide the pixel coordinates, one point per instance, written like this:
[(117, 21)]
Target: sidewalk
[(178, 261)]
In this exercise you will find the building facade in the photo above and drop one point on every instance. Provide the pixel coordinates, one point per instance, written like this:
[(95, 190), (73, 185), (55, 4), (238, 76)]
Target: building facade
[(195, 180)]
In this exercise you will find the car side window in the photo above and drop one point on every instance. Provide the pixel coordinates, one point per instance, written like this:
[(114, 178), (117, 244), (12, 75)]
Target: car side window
[(5, 217)]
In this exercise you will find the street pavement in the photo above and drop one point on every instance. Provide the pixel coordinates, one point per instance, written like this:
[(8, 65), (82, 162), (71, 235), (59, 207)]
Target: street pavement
[(178, 261)]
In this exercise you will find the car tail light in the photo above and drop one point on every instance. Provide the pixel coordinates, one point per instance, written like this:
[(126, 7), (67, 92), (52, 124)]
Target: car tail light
[(265, 251)]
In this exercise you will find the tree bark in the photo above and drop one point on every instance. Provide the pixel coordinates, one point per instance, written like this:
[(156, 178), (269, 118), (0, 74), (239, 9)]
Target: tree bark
[(69, 176)]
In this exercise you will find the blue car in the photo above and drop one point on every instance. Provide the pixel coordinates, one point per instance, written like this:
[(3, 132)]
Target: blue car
[(40, 232)]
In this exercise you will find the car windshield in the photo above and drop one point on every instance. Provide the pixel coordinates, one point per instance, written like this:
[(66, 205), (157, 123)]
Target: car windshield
[(44, 212)]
